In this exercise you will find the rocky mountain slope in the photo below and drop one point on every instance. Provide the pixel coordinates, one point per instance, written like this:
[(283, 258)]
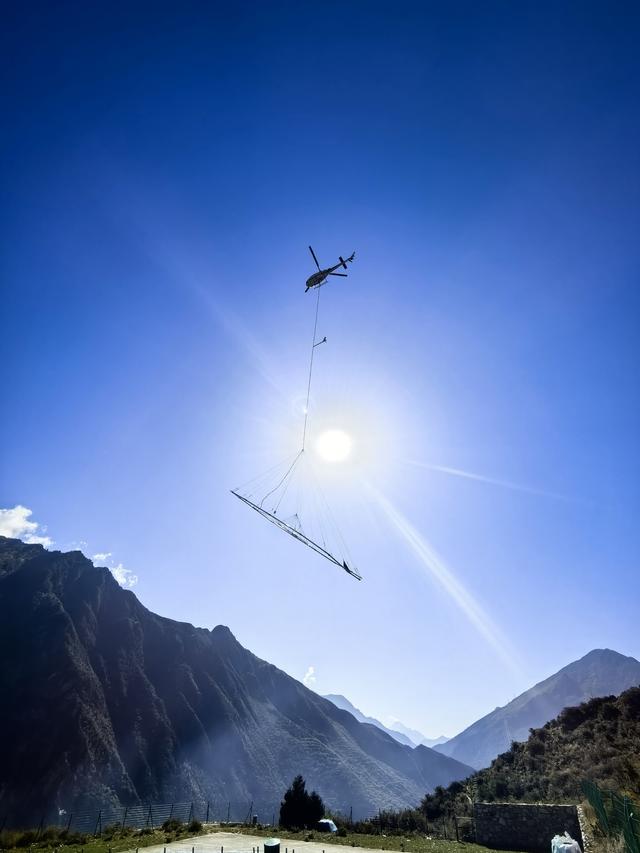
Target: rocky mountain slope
[(342, 702), (602, 672), (598, 740), (106, 703), (399, 732), (416, 736)]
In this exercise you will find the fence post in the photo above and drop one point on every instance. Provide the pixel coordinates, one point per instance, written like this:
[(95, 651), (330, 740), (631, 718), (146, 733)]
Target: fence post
[(455, 822), (98, 823), (124, 816), (68, 822), (350, 818), (171, 812), (228, 811), (206, 820), (190, 813)]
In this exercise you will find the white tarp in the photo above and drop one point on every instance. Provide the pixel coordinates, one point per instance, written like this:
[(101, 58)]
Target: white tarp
[(564, 844)]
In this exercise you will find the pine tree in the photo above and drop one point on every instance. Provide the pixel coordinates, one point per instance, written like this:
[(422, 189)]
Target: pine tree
[(300, 809)]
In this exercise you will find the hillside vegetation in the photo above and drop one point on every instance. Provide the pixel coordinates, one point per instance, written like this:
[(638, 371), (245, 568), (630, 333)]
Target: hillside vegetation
[(601, 672), (598, 740)]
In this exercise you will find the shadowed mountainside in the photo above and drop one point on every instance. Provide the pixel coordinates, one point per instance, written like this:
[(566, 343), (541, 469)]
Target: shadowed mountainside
[(111, 704), (598, 740), (601, 672)]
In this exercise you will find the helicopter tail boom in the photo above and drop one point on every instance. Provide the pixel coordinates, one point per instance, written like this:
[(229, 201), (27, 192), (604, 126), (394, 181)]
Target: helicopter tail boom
[(348, 260)]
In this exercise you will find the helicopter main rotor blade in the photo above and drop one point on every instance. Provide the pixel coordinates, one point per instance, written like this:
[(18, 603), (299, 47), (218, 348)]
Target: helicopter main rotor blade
[(313, 254), (341, 274)]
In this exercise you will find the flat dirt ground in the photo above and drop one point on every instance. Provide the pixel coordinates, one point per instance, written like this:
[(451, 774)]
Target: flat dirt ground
[(233, 842)]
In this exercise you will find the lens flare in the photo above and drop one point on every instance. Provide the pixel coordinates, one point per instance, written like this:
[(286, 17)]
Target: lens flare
[(333, 445), (453, 586)]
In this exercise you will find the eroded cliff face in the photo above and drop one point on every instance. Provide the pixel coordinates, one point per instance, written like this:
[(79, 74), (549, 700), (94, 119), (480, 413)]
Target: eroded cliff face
[(108, 703)]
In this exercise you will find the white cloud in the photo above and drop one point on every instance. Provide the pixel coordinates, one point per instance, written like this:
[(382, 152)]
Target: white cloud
[(39, 540), (101, 557), (15, 524), (125, 577), (309, 677)]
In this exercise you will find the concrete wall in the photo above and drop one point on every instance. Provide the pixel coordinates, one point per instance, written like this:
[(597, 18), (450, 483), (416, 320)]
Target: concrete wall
[(524, 826)]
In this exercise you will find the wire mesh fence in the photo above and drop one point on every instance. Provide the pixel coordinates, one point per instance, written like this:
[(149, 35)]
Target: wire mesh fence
[(616, 815), (151, 816), (111, 820)]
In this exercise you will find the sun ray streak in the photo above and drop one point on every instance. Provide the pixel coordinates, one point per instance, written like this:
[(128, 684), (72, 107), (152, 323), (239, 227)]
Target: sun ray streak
[(443, 575), (492, 481)]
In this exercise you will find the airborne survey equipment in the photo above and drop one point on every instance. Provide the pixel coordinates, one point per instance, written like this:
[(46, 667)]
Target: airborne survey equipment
[(289, 495)]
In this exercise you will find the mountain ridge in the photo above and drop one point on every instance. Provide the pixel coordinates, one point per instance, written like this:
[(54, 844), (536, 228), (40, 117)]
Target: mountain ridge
[(115, 705), (399, 732), (600, 672), (598, 741), (344, 704)]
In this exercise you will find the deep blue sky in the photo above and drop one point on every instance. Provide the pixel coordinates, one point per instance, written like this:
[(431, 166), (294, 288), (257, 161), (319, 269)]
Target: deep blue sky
[(165, 167)]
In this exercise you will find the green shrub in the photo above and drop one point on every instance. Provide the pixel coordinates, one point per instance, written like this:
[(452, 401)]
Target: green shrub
[(174, 824), (26, 838)]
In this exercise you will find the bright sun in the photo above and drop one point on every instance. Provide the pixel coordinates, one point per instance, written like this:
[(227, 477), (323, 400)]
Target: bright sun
[(334, 445)]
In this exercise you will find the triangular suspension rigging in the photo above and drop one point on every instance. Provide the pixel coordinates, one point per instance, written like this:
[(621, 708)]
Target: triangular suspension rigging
[(289, 495)]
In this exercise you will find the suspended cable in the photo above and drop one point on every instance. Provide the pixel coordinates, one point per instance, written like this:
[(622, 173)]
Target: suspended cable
[(275, 488), (299, 506), (313, 347)]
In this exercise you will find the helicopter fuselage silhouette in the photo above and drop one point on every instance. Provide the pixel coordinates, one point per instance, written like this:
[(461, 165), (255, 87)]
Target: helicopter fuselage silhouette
[(320, 277)]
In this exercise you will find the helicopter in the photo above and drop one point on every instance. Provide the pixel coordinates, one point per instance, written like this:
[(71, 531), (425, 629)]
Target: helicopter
[(320, 277)]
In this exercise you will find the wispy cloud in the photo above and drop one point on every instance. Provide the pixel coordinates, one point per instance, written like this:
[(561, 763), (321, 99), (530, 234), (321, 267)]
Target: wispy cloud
[(15, 523), (101, 557), (444, 576), (125, 577), (309, 677)]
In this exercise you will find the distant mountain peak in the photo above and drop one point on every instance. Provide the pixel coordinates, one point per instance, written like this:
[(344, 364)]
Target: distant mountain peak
[(398, 731), (600, 672)]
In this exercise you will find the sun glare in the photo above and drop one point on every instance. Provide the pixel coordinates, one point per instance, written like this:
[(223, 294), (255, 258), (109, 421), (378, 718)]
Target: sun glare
[(333, 445)]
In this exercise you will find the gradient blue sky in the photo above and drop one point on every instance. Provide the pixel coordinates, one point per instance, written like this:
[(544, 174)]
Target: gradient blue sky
[(166, 166)]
